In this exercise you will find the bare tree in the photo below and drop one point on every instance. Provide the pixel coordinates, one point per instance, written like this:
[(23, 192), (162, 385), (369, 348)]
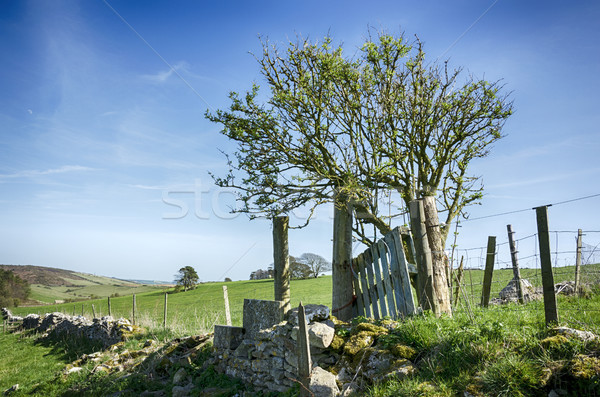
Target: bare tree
[(316, 263)]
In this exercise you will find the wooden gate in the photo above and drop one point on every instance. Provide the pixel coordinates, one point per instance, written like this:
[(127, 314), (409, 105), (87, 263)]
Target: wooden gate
[(381, 278)]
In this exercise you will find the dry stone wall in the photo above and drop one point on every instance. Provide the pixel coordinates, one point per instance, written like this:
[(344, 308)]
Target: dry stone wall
[(264, 354), (105, 330)]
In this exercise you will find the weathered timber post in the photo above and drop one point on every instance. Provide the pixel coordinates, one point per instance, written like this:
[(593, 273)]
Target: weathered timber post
[(165, 312), (281, 258), (303, 352), (93, 312), (438, 256), (82, 310), (341, 279), (489, 270), (427, 295), (226, 299), (133, 311), (459, 276), (550, 309), (578, 262), (109, 307), (515, 263)]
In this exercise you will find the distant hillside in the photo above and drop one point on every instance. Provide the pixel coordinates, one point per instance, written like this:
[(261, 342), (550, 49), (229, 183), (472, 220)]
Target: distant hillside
[(51, 284)]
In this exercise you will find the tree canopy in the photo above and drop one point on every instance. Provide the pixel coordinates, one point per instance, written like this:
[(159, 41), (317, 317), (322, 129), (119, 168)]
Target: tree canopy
[(13, 289), (381, 119), (186, 277)]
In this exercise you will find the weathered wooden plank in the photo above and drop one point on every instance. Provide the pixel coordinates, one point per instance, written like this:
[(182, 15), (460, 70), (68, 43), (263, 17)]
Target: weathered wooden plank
[(371, 282), (380, 287), (364, 285), (401, 273), (360, 306), (385, 269), (394, 273)]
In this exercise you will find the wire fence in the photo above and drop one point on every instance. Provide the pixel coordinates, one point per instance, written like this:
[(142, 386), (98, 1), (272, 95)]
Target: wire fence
[(574, 307)]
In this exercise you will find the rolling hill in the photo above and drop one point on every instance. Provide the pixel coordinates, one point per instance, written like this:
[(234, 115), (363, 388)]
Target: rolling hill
[(49, 285)]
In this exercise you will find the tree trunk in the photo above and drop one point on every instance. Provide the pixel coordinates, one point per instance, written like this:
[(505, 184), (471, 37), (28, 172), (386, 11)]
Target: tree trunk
[(425, 285), (439, 264), (342, 258)]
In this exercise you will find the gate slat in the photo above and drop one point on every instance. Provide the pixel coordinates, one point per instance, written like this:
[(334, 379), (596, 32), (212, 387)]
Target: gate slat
[(383, 256), (360, 306), (403, 273), (371, 277), (401, 304), (364, 285), (380, 287)]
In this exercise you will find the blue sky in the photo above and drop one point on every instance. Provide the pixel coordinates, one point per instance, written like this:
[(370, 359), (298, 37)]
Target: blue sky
[(105, 152)]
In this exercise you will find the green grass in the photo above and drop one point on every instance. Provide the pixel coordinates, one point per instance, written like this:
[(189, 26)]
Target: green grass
[(49, 294), (195, 311), (29, 362)]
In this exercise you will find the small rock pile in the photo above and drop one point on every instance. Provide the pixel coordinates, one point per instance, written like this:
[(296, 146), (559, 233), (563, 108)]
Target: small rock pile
[(106, 330)]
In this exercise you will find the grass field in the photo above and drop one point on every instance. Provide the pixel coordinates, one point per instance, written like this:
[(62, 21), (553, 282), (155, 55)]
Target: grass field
[(198, 310)]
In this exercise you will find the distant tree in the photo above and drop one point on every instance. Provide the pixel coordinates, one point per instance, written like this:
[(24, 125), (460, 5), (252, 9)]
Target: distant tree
[(13, 289), (186, 277), (298, 269), (227, 280), (316, 263)]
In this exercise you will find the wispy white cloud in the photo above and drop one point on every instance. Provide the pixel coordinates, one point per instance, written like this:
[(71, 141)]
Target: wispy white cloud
[(163, 76), (50, 171)]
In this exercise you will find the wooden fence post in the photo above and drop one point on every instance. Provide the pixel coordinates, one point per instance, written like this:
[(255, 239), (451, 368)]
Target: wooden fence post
[(109, 309), (515, 263), (165, 312), (133, 311), (226, 299), (550, 309), (489, 270), (93, 312), (341, 264), (82, 310), (458, 279), (578, 262), (427, 295), (281, 259), (303, 352)]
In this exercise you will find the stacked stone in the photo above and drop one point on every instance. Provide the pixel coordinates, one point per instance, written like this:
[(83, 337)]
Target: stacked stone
[(8, 316), (266, 358), (106, 329)]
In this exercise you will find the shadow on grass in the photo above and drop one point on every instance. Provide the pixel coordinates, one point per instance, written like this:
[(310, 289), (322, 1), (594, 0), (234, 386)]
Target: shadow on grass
[(69, 348)]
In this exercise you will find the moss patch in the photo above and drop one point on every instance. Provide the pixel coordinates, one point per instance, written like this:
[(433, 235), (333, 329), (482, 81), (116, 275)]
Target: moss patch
[(403, 351), (358, 342), (585, 367)]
